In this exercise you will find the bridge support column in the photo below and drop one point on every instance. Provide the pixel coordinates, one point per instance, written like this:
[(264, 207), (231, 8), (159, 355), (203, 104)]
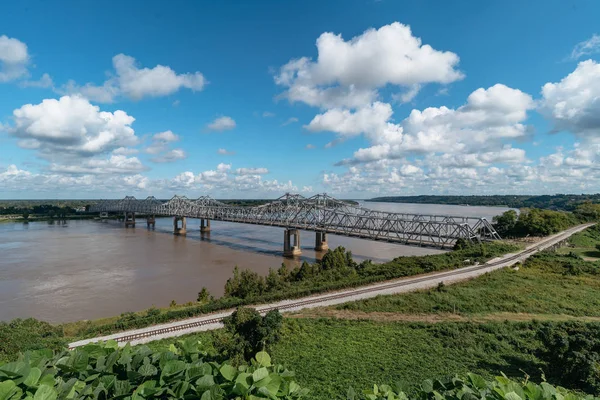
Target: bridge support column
[(103, 215), (177, 228), (204, 225), (151, 221), (321, 241), (291, 248), (129, 219)]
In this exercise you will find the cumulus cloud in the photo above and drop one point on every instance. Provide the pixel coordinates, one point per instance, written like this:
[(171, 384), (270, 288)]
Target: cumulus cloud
[(268, 114), (170, 156), (160, 148), (488, 119), (221, 124), (72, 126), (310, 146), (348, 73), (116, 164), (586, 48), (166, 136), (136, 83), (14, 59), (573, 104)]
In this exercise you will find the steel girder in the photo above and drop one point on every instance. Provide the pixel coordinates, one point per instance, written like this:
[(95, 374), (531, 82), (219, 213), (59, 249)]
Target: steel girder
[(320, 213)]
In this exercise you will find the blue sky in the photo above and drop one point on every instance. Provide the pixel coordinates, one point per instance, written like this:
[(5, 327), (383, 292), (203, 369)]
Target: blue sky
[(255, 99)]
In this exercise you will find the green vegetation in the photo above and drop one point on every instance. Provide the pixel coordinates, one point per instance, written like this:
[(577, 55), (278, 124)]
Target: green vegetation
[(246, 333), (20, 335), (533, 222), (330, 355), (547, 283), (471, 387), (336, 270), (107, 372), (566, 202), (186, 370)]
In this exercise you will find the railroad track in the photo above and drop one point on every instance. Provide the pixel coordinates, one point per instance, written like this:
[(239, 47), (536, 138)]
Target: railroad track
[(351, 293)]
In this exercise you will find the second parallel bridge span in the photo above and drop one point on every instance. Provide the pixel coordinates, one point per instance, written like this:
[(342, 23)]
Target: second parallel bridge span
[(321, 213)]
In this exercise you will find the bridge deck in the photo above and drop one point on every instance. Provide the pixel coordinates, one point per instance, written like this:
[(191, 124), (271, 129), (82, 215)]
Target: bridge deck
[(319, 213)]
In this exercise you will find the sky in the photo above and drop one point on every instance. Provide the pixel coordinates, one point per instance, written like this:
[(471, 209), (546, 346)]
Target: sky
[(254, 99)]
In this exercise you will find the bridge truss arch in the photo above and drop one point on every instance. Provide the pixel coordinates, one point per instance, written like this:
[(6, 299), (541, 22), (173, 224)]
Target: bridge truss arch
[(319, 213)]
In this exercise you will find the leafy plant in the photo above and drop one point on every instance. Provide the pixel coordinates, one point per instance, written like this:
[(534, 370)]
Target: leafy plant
[(103, 371), (472, 387)]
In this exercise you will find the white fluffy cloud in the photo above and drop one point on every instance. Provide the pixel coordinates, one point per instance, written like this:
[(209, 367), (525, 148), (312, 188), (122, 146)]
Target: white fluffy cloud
[(116, 164), (72, 126), (573, 104), (160, 148), (488, 119), (13, 59), (170, 156), (221, 124), (161, 80), (136, 83), (348, 73)]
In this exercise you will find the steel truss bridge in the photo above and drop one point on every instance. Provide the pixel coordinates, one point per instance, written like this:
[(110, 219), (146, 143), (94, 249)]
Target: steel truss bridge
[(322, 214)]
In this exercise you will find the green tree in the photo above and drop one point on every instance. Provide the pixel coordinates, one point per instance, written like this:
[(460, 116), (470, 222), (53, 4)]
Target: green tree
[(505, 223), (244, 284), (203, 295), (248, 333)]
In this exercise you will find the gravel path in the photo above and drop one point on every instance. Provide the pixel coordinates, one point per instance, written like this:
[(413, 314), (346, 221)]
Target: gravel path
[(420, 282)]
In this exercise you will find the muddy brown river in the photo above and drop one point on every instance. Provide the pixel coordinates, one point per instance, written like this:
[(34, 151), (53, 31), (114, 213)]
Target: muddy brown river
[(88, 269)]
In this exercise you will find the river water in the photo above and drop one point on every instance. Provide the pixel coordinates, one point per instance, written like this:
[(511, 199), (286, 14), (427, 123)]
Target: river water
[(86, 269)]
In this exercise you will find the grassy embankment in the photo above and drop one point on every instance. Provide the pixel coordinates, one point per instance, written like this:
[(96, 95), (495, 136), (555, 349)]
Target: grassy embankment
[(489, 325)]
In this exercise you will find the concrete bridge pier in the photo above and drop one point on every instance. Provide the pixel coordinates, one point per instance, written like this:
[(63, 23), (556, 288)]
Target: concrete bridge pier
[(103, 215), (291, 248), (205, 225), (151, 221), (179, 229), (321, 241), (129, 218)]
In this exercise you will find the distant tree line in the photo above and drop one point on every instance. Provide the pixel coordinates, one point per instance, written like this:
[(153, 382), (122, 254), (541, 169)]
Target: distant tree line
[(565, 202), (44, 209)]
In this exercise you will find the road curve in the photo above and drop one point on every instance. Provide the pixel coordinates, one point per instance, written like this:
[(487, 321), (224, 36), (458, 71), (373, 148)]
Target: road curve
[(419, 282)]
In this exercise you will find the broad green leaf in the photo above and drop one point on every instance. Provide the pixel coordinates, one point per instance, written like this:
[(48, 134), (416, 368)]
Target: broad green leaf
[(205, 382), (206, 396), (7, 390), (147, 370), (294, 387), (244, 379), (33, 377), (122, 387), (45, 392), (259, 374), (427, 386), (111, 344), (263, 358), (228, 372), (274, 384), (478, 381), (512, 396), (173, 367), (263, 382)]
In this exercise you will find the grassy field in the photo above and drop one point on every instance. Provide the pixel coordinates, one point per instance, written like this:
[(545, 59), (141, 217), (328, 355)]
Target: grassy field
[(546, 284), (330, 355)]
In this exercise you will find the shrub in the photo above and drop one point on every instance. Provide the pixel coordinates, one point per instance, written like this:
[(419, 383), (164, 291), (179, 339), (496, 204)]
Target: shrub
[(247, 332), (27, 334)]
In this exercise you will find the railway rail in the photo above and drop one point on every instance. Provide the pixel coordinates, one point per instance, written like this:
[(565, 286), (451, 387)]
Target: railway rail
[(348, 294)]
